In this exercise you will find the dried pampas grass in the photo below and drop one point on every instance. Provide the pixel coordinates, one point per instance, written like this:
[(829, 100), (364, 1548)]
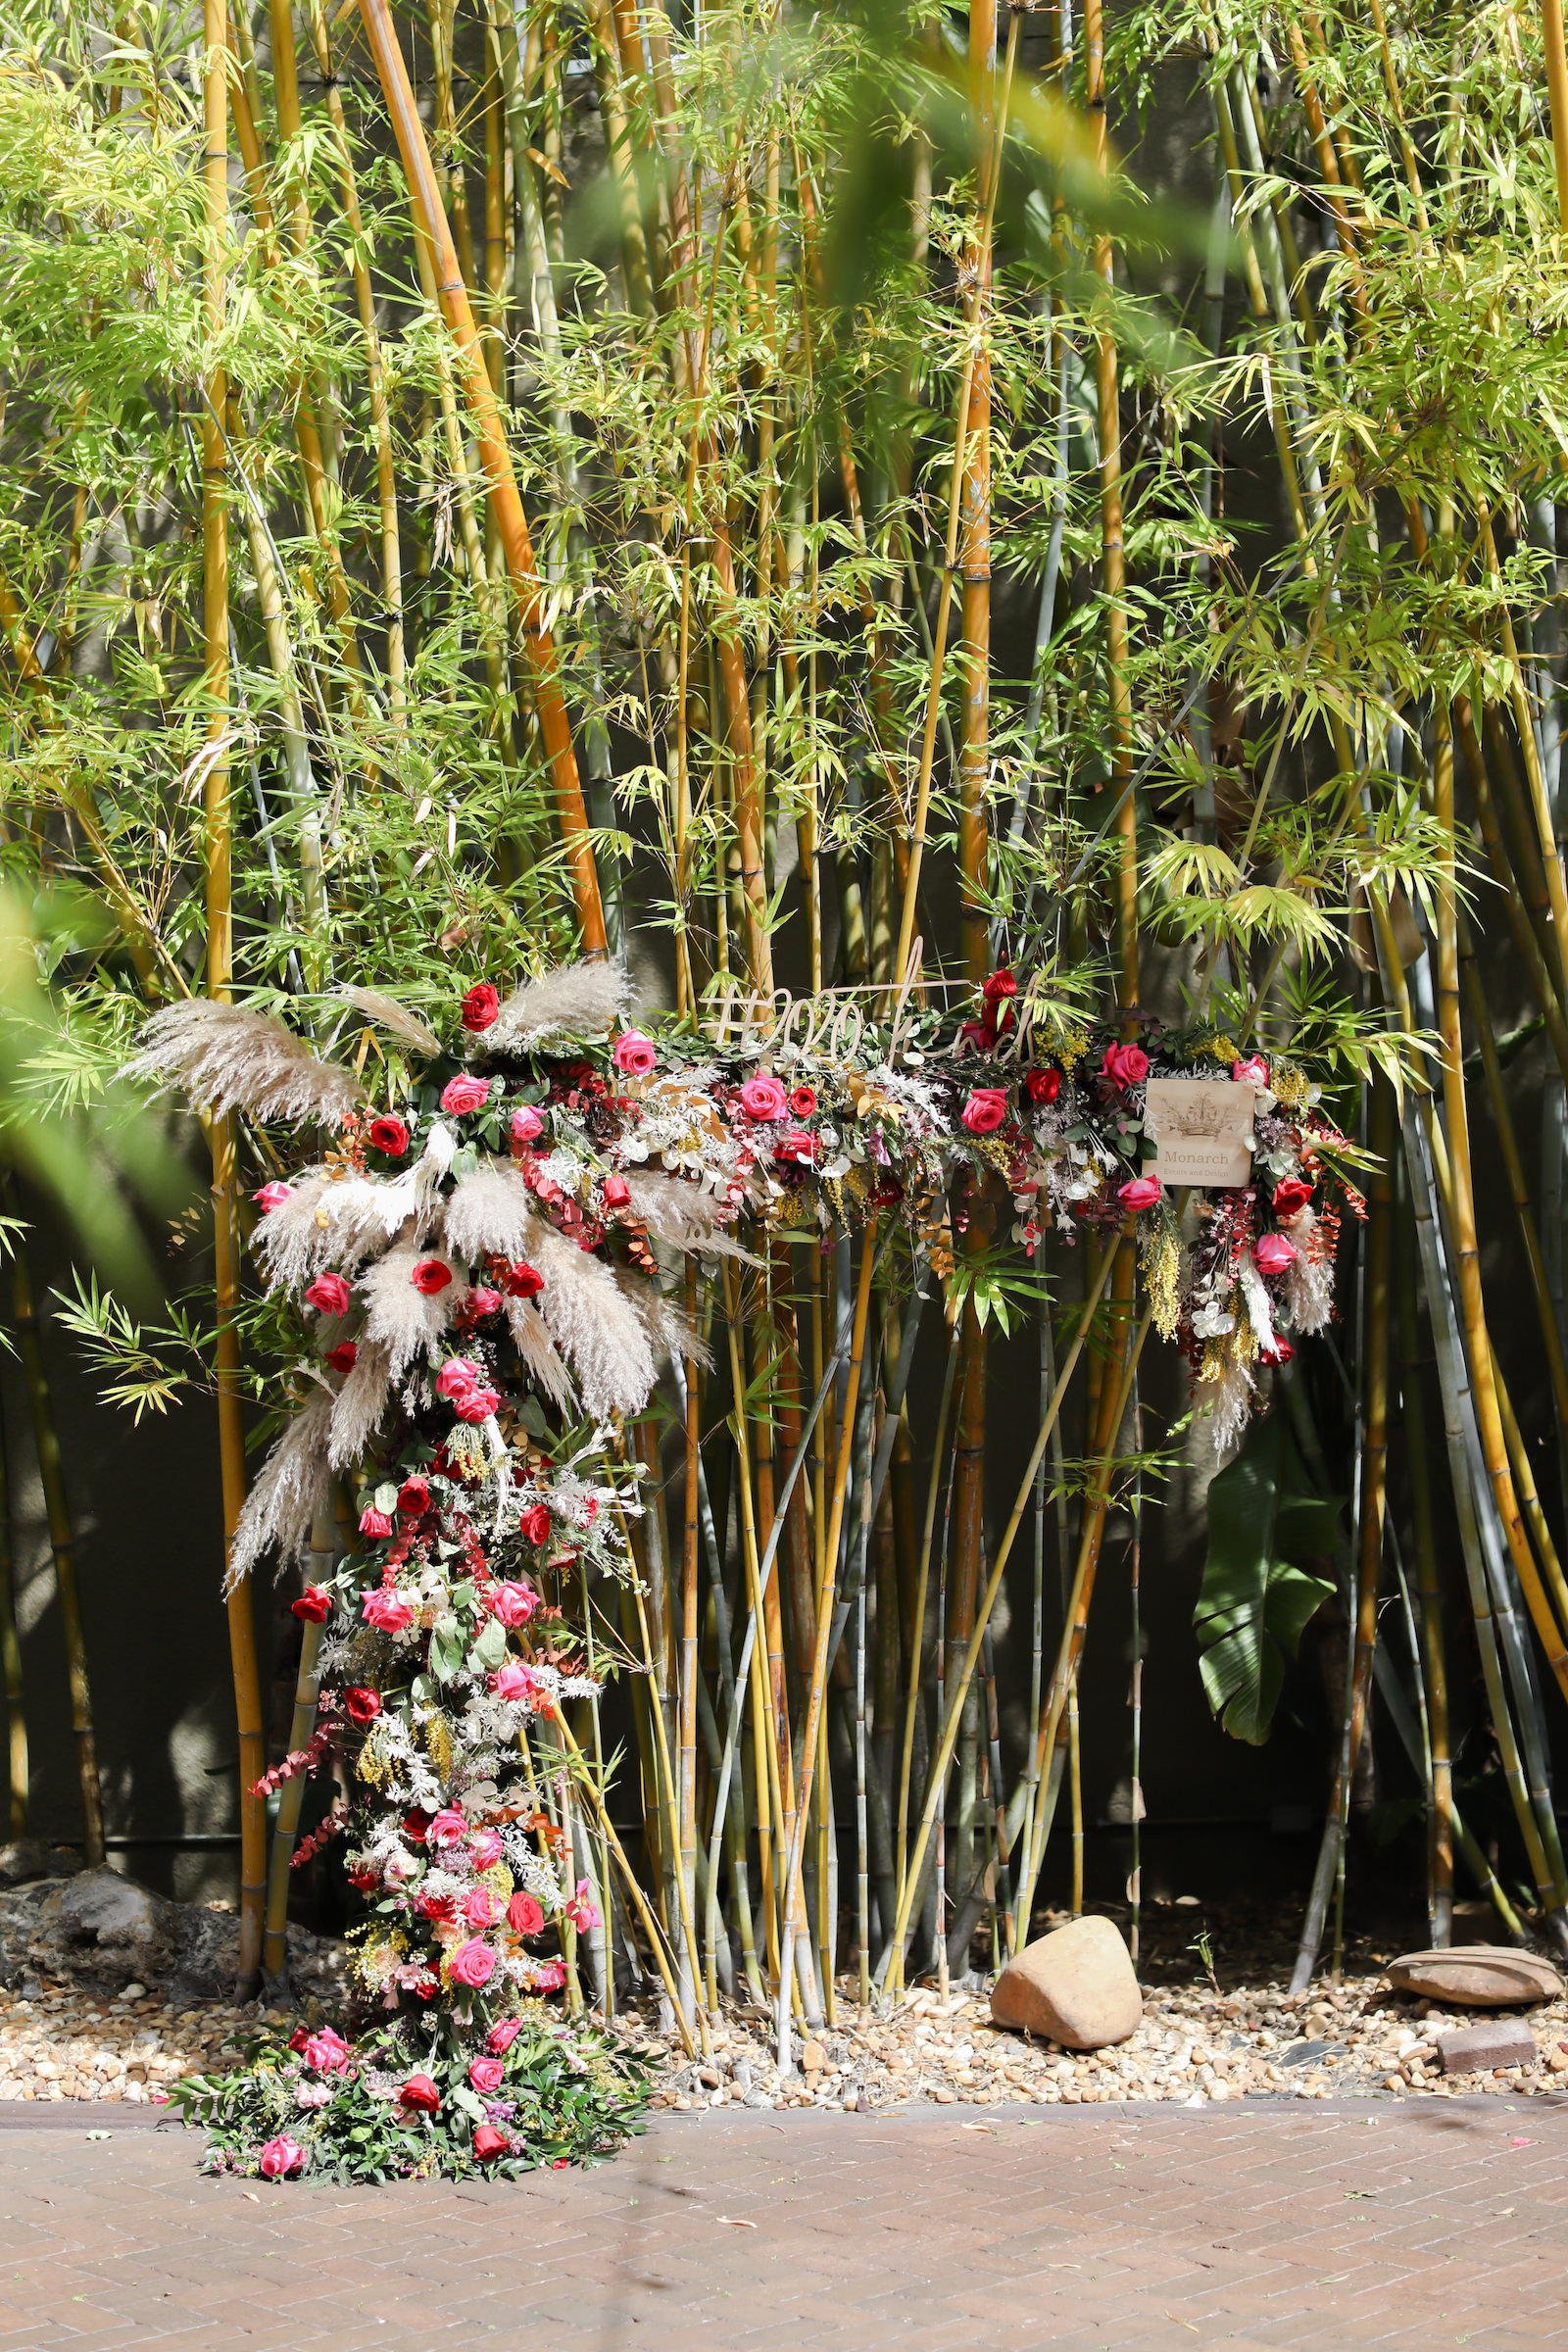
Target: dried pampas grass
[(601, 1334), (395, 1019), (360, 1403), (540, 1354), (1309, 1281), (670, 1330), (404, 1321), (231, 1058), (683, 1216), (294, 1485), (583, 999), (491, 1209)]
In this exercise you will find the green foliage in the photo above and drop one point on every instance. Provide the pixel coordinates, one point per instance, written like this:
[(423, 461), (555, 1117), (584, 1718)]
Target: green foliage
[(1256, 1598)]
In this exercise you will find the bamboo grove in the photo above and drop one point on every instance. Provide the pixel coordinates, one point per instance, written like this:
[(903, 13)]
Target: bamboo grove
[(791, 502)]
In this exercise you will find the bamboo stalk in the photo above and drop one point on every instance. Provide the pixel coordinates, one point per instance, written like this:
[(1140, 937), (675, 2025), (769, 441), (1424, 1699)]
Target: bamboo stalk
[(307, 1687), (1412, 1422), (11, 1663)]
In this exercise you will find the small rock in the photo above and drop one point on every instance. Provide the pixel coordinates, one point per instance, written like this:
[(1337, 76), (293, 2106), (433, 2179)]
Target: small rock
[(1076, 1985), (1476, 1975), (1473, 2050), (814, 2058), (28, 1858)]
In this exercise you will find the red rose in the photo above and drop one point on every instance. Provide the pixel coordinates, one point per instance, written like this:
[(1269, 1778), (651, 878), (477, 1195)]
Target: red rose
[(480, 1007), (420, 2093), (374, 1523), (328, 1292), (1042, 1085), (803, 1101), (389, 1135), (487, 2076), (1280, 1353), (464, 1094), (524, 1916), (534, 1525), (360, 1705), (488, 2143), (1290, 1196), (440, 1909), (416, 1823), (796, 1147), (314, 1605), (343, 1357), (523, 1281), (618, 1192), (1001, 984), (430, 1277), (414, 1497), (298, 2038)]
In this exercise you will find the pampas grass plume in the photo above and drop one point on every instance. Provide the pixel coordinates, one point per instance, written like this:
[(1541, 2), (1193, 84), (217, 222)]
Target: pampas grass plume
[(294, 1483), (583, 1000), (230, 1059)]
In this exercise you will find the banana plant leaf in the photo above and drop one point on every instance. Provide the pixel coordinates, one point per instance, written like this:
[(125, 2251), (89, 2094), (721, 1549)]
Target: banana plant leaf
[(1265, 1520)]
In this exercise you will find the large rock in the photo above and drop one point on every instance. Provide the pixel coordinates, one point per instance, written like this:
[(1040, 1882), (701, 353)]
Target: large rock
[(1476, 1975), (1075, 1985), (101, 1931)]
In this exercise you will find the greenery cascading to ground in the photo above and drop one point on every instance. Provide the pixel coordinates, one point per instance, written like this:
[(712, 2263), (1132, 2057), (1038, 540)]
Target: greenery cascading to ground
[(441, 536)]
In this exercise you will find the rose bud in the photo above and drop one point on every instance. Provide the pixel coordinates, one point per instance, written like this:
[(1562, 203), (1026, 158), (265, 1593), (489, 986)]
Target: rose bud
[(618, 1192), (273, 1196), (343, 1357), (374, 1523), (489, 2142), (523, 1281), (414, 1497), (526, 1124)]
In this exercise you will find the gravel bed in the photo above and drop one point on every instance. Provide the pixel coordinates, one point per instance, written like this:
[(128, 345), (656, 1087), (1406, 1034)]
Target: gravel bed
[(64, 2044)]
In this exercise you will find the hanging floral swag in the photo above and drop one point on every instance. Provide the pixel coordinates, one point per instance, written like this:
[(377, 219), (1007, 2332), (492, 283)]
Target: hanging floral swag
[(470, 1275)]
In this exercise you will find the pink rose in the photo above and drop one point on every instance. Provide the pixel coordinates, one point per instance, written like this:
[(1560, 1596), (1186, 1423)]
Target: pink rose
[(420, 2093), (280, 2157), (472, 1964), (796, 1147), (1273, 1252), (486, 1850), (480, 1007), (457, 1376), (475, 1404), (985, 1109), (484, 1302), (430, 1277), (448, 1828), (1254, 1072), (463, 1094), (583, 1910), (515, 1680), (489, 2142), (1125, 1066), (271, 1197), (487, 2076), (328, 2052), (524, 1917), (500, 2039), (374, 1523), (526, 1124), (479, 1907), (763, 1097), (618, 1192), (549, 1975), (1142, 1192), (634, 1054), (514, 1602), (328, 1292), (386, 1612)]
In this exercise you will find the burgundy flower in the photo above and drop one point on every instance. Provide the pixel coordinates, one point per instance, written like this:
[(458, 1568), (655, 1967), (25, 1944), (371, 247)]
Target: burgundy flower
[(343, 1357)]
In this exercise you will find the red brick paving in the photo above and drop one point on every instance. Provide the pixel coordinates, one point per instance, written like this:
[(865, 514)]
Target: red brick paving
[(1427, 2224)]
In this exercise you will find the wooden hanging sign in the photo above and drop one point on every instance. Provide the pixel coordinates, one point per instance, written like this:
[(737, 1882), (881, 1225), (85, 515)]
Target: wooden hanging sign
[(1203, 1130)]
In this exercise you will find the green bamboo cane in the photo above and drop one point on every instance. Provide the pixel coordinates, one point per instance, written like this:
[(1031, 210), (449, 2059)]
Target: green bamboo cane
[(10, 1661)]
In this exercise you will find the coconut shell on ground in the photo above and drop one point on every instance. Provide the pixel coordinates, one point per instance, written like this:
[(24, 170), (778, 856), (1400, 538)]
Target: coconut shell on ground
[(1476, 1975), (1076, 1985)]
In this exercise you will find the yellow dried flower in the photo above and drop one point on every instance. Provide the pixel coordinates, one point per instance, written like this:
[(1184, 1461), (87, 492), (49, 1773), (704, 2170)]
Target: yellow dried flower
[(1222, 1049), (438, 1744), (1290, 1084), (1161, 1255), (1071, 1050), (372, 1766)]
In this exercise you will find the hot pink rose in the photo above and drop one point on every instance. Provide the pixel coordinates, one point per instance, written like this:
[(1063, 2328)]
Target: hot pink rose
[(420, 2093), (457, 1376), (330, 1293), (273, 1196), (280, 2157), (616, 1190), (526, 1124), (328, 2052), (483, 1302), (550, 1977), (480, 1906), (763, 1097), (472, 1964), (1125, 1066), (985, 1109), (480, 1007), (515, 1681), (513, 1602), (464, 1094), (487, 2076), (1273, 1252), (386, 1612), (500, 2039), (583, 1910), (475, 1404), (374, 1523), (796, 1145), (448, 1828), (634, 1054), (524, 1917), (489, 2142), (1252, 1071), (430, 1277), (1142, 1192), (486, 1849)]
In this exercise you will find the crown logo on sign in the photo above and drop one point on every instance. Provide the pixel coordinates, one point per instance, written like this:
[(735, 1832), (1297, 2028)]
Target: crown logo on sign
[(1200, 1120)]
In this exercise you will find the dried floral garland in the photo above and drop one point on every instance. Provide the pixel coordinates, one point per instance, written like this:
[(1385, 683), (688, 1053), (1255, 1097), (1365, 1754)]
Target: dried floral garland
[(473, 1271)]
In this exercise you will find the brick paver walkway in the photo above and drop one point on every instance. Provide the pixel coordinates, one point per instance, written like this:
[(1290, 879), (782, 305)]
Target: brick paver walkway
[(1430, 2224)]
